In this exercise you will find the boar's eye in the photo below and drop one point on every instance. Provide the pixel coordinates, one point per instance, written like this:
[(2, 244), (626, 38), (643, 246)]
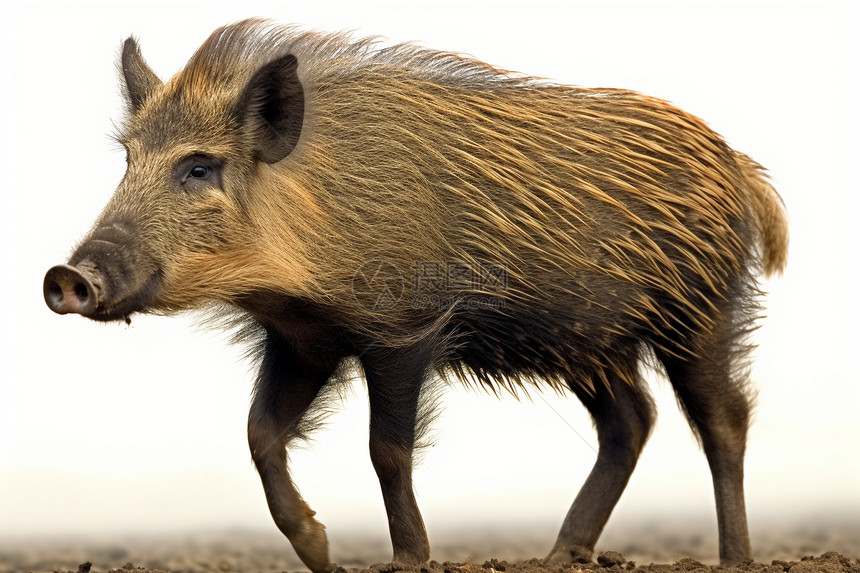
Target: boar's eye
[(197, 172)]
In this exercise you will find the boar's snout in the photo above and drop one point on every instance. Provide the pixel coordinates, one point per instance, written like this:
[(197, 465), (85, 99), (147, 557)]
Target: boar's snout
[(69, 290)]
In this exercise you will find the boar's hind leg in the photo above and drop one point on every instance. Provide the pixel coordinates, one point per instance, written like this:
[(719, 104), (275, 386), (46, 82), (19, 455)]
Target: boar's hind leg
[(715, 399), (285, 388), (623, 415), (394, 382)]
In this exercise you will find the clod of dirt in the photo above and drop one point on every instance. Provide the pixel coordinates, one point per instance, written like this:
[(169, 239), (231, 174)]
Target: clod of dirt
[(495, 565), (130, 568), (688, 564), (611, 559), (830, 562)]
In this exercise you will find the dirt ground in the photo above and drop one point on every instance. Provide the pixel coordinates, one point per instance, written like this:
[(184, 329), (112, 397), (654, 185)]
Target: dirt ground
[(655, 548)]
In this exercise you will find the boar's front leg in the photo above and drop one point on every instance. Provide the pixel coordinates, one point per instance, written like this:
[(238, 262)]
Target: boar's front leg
[(394, 382), (287, 385)]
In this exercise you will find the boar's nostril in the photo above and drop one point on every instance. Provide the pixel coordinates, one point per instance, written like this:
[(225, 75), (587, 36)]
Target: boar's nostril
[(53, 293), (68, 290), (81, 291)]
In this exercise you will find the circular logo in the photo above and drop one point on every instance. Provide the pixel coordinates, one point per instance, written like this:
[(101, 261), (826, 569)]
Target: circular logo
[(378, 285)]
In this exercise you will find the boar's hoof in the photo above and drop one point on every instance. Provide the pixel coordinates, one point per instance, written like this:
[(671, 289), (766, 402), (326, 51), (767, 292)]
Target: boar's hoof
[(67, 290), (311, 545), (575, 554)]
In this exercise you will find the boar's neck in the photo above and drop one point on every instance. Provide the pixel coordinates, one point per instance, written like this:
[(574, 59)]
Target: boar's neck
[(308, 327)]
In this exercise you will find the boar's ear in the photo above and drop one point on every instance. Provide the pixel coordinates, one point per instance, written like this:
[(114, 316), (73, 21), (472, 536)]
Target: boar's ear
[(139, 80), (271, 109)]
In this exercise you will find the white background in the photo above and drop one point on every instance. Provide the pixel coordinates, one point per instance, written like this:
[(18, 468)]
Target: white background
[(109, 428)]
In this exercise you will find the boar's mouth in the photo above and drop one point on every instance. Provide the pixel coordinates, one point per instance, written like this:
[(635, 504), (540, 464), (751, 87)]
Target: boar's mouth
[(84, 289)]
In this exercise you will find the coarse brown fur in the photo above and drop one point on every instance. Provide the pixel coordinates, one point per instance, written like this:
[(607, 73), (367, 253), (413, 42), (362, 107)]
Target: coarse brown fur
[(598, 198), (431, 214)]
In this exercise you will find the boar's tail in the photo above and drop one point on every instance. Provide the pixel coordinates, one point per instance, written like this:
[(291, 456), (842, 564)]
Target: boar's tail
[(770, 216)]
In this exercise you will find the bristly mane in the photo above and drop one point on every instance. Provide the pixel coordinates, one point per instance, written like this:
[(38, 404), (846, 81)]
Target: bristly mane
[(237, 49)]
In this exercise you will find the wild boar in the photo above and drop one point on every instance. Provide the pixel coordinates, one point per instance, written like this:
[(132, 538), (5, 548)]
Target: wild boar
[(416, 215)]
